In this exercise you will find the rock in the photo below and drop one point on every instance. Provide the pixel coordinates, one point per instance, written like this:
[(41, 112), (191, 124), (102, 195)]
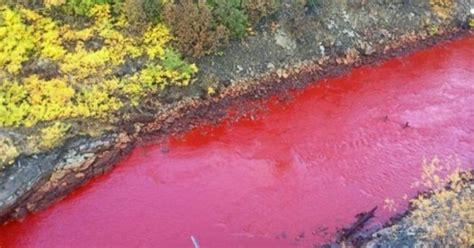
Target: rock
[(226, 82), (367, 49), (80, 175), (284, 40), (282, 73)]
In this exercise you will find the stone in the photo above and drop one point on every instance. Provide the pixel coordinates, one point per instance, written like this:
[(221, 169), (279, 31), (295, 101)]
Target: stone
[(285, 41)]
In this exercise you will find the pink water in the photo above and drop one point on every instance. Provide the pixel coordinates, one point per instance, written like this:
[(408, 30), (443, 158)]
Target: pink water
[(289, 178)]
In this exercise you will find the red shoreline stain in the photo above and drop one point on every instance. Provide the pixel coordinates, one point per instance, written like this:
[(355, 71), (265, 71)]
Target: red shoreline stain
[(289, 178)]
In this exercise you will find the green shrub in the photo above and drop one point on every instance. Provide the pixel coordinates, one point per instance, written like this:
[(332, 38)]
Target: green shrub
[(82, 7), (229, 13), (140, 12), (172, 61), (153, 9)]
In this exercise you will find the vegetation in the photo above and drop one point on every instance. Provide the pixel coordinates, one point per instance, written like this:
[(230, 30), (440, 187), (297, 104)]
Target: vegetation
[(230, 14), (445, 213), (140, 12), (442, 8), (51, 135), (85, 84), (80, 7), (194, 27), (205, 27), (52, 72), (8, 151)]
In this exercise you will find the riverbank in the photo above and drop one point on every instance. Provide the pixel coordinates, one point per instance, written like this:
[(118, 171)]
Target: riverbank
[(329, 42), (438, 218)]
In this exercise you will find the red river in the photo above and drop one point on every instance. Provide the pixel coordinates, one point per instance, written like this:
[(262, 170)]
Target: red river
[(291, 177)]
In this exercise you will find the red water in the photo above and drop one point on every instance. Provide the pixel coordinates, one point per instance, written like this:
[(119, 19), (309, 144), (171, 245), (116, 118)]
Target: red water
[(289, 178)]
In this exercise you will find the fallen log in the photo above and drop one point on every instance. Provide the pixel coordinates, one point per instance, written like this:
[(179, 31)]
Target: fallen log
[(362, 219)]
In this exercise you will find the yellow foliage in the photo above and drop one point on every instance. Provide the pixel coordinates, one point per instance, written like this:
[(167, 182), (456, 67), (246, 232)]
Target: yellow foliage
[(442, 8), (84, 64), (447, 214), (85, 85), (71, 73), (8, 151), (155, 39), (49, 3), (211, 90), (16, 40), (101, 13), (53, 134), (69, 34), (95, 102), (48, 100), (46, 34)]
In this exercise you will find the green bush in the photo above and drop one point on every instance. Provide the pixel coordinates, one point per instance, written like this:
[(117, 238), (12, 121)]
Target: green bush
[(82, 7), (153, 9), (229, 13), (172, 61), (141, 12)]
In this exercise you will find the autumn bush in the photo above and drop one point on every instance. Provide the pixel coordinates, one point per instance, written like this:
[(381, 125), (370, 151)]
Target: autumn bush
[(195, 28)]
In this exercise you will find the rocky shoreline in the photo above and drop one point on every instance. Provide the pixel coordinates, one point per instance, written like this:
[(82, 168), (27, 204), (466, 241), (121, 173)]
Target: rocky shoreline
[(262, 66)]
